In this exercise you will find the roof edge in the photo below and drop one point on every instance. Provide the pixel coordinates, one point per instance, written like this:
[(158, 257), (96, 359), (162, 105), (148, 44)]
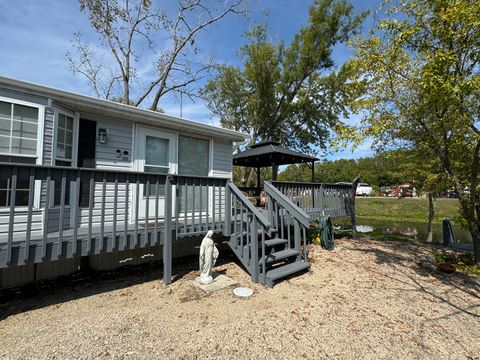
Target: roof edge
[(58, 94)]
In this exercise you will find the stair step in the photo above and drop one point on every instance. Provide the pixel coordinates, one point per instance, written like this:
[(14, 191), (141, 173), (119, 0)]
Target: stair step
[(278, 255), (274, 242), (285, 270), (240, 234)]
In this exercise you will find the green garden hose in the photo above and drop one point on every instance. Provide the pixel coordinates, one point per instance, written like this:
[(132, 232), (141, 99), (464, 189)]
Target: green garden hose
[(326, 233)]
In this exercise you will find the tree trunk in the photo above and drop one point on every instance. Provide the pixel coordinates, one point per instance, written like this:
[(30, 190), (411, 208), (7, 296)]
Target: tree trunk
[(431, 214), (250, 172), (274, 172)]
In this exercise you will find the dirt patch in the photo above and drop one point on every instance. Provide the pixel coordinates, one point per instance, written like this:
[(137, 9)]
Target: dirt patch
[(365, 299)]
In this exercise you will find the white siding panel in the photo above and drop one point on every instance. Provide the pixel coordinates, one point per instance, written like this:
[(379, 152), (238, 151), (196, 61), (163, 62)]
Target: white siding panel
[(20, 223), (48, 136), (222, 158), (119, 138), (109, 204)]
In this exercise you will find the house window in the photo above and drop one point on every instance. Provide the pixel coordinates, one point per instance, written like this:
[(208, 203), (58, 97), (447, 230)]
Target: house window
[(193, 156), (64, 149), (22, 187), (193, 159), (18, 129), (157, 157), (63, 153)]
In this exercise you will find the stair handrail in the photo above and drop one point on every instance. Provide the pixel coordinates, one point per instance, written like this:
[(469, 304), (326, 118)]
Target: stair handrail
[(284, 201), (256, 223), (262, 219)]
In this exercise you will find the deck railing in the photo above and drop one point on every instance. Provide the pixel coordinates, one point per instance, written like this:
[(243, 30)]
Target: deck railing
[(199, 204), (51, 212), (286, 216), (246, 226), (320, 199)]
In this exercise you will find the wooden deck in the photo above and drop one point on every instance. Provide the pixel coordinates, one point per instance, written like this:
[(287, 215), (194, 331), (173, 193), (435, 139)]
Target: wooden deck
[(191, 206)]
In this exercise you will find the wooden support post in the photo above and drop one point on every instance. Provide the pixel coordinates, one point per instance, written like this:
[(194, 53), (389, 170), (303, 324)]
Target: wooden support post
[(227, 228), (297, 235), (254, 265), (258, 180), (167, 243)]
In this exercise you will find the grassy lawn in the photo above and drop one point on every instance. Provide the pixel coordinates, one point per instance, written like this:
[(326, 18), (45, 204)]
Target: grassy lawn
[(407, 209)]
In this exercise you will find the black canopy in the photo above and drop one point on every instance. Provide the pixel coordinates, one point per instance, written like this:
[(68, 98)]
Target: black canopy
[(267, 153)]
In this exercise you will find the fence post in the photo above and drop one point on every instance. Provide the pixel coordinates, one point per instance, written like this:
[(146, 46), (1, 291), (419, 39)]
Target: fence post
[(227, 229), (167, 243), (448, 235), (354, 194)]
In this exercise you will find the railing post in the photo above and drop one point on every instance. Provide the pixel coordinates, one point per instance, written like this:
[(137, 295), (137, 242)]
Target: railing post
[(270, 209), (296, 229), (321, 205), (254, 250), (13, 192), (313, 197), (167, 243), (227, 228)]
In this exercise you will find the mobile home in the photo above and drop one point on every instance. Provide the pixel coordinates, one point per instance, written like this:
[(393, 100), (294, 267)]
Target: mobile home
[(90, 182), (42, 126)]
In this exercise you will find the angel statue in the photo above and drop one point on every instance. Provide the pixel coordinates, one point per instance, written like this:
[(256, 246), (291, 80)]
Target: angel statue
[(208, 257)]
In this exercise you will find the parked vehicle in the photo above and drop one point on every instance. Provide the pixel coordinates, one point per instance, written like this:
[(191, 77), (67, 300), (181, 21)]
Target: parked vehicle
[(385, 191), (364, 189)]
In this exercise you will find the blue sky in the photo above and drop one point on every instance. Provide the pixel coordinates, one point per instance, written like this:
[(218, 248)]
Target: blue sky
[(36, 35)]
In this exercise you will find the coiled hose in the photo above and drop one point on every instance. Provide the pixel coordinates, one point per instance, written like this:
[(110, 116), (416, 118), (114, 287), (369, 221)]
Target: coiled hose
[(325, 228)]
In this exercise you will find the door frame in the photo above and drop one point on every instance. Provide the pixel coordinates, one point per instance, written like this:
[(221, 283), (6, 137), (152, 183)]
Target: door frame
[(141, 132)]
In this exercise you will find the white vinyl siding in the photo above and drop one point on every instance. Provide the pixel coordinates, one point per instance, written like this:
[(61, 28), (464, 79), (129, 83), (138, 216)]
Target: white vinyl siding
[(119, 139), (106, 156)]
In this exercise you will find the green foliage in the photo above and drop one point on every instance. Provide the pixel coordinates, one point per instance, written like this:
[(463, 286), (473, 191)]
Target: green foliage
[(281, 92), (414, 210), (464, 263), (417, 77), (384, 169)]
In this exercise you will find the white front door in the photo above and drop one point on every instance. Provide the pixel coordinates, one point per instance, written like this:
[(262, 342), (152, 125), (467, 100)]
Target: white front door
[(155, 154)]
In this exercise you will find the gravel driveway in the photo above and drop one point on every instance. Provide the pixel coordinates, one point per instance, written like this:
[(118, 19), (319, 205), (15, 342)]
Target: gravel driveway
[(365, 299)]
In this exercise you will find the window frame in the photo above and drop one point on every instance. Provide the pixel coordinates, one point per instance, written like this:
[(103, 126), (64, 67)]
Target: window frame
[(210, 168), (57, 123), (39, 154), (40, 129), (73, 162)]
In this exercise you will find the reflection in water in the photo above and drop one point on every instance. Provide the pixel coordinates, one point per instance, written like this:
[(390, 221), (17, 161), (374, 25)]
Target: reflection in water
[(408, 232), (364, 229)]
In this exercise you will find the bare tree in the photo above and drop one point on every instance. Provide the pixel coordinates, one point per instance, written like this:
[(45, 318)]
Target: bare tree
[(146, 51)]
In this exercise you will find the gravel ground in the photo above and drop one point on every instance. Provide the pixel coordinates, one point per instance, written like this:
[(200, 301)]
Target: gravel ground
[(365, 299)]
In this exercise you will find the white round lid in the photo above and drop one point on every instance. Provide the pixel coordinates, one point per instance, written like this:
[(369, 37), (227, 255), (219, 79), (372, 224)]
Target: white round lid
[(243, 291)]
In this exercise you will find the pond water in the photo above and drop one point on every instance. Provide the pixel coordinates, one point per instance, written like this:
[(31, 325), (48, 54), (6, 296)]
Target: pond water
[(405, 229)]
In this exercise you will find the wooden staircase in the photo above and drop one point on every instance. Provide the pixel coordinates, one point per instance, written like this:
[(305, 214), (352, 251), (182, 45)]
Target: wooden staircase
[(269, 247)]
